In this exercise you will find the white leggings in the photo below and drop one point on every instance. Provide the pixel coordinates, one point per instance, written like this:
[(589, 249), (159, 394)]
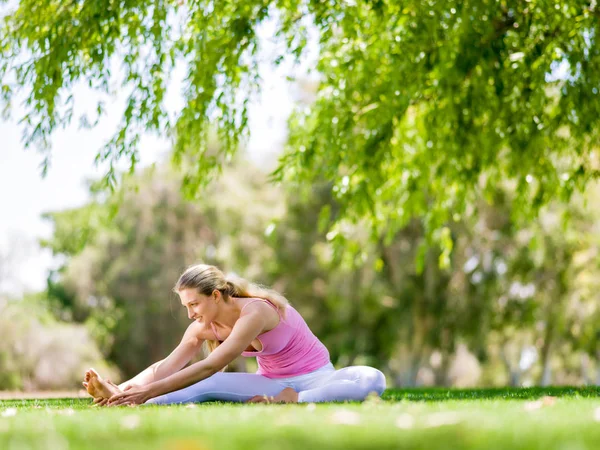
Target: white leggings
[(322, 385)]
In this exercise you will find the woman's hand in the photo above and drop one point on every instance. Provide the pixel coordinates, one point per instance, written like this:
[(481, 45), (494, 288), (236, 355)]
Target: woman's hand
[(133, 396), (99, 401)]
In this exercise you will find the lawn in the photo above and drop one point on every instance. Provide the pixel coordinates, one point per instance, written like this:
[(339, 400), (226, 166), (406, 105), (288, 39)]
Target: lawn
[(552, 418)]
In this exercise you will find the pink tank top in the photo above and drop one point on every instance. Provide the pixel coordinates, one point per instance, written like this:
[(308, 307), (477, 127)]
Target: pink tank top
[(290, 349)]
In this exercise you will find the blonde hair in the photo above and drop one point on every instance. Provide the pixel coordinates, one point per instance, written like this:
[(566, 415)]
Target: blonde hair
[(205, 279)]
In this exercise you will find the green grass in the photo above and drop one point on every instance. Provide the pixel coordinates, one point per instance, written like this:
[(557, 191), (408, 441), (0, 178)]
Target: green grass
[(411, 419)]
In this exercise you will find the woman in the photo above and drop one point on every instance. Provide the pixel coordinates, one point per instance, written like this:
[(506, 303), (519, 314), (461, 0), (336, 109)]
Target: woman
[(238, 318)]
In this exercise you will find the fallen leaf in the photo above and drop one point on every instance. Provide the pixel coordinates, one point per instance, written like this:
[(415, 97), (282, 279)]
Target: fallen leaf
[(405, 421), (548, 400), (9, 412), (441, 419), (345, 417), (532, 406), (131, 422)]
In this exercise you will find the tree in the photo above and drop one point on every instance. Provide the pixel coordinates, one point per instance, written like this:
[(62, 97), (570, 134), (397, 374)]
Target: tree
[(420, 106), (39, 352), (507, 288), (121, 264)]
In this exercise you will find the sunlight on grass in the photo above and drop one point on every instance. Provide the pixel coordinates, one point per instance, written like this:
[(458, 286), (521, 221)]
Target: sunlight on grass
[(435, 418)]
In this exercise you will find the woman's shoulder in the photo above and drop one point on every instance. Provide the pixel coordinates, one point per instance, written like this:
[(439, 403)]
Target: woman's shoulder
[(199, 330), (264, 308), (259, 302), (264, 304)]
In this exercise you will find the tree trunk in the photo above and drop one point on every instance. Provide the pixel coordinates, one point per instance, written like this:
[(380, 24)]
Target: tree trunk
[(546, 374), (585, 369), (514, 376), (598, 368), (441, 373), (552, 320), (417, 346)]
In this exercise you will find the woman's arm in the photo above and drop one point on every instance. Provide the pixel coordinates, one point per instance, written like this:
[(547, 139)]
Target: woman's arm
[(245, 330), (189, 346)]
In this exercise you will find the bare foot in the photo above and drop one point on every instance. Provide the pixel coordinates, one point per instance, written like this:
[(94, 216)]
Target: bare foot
[(98, 387), (288, 395)]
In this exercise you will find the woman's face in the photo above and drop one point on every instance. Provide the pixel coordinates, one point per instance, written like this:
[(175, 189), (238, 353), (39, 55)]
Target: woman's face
[(201, 308)]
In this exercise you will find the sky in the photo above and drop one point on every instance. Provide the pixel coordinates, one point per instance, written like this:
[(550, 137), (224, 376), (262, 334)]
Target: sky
[(25, 195)]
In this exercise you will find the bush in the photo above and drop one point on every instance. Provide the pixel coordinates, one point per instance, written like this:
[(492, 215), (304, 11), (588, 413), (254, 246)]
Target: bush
[(38, 352)]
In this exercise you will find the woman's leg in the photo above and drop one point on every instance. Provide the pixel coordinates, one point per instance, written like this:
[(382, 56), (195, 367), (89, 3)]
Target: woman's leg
[(228, 386), (349, 383)]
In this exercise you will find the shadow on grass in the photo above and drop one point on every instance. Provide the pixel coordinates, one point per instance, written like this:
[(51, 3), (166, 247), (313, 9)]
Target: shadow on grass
[(390, 395), (441, 394)]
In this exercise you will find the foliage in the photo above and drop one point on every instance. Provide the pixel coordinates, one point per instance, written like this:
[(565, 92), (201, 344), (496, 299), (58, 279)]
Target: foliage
[(421, 105), (499, 296), (120, 280), (37, 352)]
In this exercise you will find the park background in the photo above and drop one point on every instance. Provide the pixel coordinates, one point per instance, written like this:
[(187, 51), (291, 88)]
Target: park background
[(487, 293)]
